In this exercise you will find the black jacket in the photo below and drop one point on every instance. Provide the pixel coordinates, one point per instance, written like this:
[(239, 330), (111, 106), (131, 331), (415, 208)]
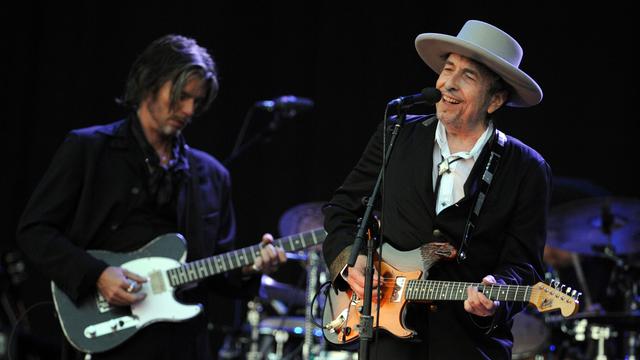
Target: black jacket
[(89, 188), (508, 240)]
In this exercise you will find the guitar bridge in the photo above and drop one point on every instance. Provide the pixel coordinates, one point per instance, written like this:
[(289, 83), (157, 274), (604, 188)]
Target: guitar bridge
[(110, 327)]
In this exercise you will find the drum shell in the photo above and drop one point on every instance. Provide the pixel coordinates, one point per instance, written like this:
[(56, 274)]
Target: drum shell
[(531, 335)]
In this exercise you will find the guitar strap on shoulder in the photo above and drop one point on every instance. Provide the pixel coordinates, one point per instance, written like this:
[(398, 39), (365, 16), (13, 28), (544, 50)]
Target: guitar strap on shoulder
[(497, 150)]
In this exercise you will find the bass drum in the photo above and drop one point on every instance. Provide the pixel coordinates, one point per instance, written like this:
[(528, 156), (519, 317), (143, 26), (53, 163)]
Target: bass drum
[(530, 335)]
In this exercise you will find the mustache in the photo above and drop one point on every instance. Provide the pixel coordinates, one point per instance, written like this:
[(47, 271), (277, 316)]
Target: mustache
[(186, 120)]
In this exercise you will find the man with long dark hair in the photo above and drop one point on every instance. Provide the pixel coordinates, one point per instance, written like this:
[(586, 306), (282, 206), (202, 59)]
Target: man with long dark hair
[(116, 187)]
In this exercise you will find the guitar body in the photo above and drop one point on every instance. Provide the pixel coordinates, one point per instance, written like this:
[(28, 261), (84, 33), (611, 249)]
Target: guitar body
[(408, 265), (404, 275), (92, 325), (391, 305)]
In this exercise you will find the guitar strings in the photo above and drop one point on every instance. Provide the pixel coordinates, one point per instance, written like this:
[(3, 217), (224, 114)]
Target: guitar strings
[(437, 282)]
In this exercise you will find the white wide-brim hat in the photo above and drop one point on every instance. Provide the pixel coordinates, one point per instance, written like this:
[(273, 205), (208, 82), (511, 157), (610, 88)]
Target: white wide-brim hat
[(487, 45)]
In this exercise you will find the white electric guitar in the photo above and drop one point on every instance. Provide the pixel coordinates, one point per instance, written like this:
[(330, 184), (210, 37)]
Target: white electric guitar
[(93, 325)]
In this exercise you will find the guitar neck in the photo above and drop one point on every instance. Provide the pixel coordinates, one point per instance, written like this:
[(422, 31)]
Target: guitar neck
[(200, 269), (425, 290)]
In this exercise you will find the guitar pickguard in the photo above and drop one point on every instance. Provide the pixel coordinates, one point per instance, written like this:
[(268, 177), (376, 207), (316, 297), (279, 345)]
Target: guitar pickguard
[(422, 258)]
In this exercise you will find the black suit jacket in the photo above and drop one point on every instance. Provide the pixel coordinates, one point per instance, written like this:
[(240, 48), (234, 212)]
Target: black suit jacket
[(508, 240), (89, 188)]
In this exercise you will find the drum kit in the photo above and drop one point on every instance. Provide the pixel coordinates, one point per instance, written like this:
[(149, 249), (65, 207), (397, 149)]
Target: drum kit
[(281, 321), (592, 244)]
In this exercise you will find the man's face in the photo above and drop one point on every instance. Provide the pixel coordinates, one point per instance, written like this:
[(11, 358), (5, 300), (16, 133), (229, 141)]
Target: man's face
[(465, 93), (158, 116)]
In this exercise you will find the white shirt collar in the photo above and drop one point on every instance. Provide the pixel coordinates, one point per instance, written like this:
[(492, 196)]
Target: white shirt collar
[(443, 144)]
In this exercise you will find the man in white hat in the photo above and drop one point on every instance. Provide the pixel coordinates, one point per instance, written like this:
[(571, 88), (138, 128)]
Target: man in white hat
[(436, 174)]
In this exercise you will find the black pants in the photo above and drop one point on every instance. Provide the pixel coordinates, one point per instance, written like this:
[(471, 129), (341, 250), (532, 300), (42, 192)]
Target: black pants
[(389, 347)]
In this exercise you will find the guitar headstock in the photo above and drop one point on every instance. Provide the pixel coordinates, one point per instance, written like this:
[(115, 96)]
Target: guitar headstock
[(554, 296)]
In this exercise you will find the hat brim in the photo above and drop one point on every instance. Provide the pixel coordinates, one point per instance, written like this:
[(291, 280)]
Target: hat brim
[(434, 48)]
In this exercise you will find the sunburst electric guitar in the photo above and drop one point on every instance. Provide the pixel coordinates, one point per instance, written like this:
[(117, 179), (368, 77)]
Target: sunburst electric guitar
[(93, 325), (404, 278)]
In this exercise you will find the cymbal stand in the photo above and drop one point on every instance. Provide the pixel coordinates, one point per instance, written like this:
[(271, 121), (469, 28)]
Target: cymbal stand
[(632, 344), (313, 265), (281, 337), (626, 282), (600, 334), (253, 317), (632, 299), (575, 259)]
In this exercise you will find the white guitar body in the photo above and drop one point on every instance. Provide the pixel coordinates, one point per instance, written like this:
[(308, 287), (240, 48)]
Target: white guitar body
[(160, 303)]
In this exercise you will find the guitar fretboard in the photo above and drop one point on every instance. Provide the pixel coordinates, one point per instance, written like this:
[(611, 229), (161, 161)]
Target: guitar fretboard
[(423, 290), (203, 268)]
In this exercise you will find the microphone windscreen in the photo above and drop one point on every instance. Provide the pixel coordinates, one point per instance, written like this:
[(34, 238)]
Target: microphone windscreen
[(431, 95)]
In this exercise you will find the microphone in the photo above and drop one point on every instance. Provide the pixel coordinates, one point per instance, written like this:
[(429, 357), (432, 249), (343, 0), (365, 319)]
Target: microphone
[(427, 96), (288, 104)]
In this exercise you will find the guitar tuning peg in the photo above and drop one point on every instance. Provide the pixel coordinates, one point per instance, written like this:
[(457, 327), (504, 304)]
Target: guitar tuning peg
[(557, 285), (569, 290), (562, 287), (551, 282), (578, 296)]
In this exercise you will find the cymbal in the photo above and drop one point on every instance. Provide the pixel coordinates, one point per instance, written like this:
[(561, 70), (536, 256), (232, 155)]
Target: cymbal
[(300, 218), (586, 226), (270, 289)]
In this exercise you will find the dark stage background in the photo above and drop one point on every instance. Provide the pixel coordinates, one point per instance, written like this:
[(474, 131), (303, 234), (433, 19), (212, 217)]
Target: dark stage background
[(64, 65)]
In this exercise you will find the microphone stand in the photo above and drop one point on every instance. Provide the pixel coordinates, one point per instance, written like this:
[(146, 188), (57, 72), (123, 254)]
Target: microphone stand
[(262, 136), (366, 320)]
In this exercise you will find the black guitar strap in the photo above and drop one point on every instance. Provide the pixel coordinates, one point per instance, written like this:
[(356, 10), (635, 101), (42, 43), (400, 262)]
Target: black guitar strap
[(497, 150)]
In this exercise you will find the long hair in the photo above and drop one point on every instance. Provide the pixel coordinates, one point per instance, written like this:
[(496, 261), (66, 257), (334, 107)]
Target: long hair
[(172, 58)]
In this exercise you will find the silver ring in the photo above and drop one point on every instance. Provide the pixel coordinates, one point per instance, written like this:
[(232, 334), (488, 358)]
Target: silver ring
[(255, 267), (132, 285)]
